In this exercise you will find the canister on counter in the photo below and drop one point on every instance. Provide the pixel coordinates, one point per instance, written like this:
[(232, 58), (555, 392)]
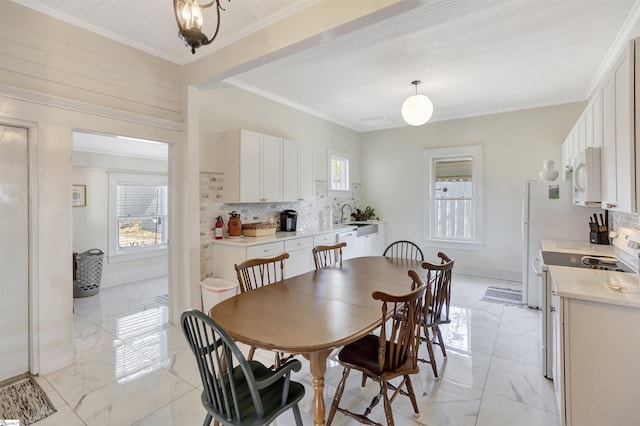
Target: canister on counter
[(235, 224)]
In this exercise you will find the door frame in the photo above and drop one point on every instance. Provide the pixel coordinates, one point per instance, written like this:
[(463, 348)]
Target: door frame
[(32, 229)]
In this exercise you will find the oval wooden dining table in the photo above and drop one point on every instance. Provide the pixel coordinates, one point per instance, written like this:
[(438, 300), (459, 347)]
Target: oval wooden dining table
[(316, 312)]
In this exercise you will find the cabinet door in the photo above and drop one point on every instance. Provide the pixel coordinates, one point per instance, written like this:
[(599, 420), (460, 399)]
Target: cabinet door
[(297, 169), (596, 127), (609, 172), (271, 168), (290, 170), (624, 124), (618, 129), (305, 173), (580, 130), (380, 241), (250, 144), (567, 160)]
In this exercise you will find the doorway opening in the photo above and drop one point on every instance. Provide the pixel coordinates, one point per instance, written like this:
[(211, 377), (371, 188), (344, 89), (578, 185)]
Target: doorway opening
[(125, 214)]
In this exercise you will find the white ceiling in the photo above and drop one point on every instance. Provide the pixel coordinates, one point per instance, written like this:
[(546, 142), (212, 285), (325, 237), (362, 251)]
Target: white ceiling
[(474, 57), (119, 145)]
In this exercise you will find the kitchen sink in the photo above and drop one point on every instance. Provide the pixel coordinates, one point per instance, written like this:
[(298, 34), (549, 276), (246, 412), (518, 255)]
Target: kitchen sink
[(365, 228), (589, 261)]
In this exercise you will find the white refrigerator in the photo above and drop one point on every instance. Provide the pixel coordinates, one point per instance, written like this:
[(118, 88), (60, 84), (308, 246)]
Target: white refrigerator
[(548, 213)]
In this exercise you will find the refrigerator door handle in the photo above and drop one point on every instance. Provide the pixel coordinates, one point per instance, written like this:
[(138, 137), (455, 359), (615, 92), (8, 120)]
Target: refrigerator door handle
[(533, 266)]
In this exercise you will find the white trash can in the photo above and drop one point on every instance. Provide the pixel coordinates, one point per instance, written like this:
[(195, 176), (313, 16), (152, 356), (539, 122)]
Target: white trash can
[(215, 290)]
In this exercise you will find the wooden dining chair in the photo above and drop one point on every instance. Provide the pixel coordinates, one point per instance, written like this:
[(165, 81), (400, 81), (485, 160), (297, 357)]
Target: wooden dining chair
[(324, 256), (258, 272), (392, 354), (236, 391), (403, 249), (436, 312)]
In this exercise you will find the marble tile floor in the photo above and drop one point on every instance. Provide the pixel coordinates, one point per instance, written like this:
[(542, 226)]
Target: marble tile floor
[(132, 367)]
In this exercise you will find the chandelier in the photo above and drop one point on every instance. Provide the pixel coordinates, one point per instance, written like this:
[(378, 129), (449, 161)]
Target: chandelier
[(189, 18), (417, 109)]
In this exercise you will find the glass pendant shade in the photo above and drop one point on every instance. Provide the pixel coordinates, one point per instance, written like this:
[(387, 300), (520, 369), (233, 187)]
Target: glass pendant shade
[(417, 110)]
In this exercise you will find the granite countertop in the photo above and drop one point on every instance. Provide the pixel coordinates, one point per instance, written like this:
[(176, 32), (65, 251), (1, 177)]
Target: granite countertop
[(282, 236), (616, 288)]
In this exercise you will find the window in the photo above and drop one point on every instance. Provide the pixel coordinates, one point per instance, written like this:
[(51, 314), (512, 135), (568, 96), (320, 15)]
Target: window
[(138, 212), (338, 171), (453, 200)]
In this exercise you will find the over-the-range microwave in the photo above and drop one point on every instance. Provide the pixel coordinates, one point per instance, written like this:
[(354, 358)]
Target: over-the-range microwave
[(587, 187)]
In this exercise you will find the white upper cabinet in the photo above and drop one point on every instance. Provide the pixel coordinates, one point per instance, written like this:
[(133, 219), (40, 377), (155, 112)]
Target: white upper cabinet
[(297, 171), (618, 129), (253, 167), (271, 170), (593, 121)]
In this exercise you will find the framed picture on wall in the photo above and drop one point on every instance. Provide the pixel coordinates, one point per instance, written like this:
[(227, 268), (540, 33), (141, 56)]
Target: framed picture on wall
[(79, 195)]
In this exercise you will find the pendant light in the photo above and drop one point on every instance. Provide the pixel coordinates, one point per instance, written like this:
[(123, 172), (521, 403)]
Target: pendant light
[(417, 109), (190, 20)]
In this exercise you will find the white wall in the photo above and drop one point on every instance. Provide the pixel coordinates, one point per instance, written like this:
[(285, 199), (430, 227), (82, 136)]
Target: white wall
[(58, 79), (226, 108), (515, 144), (90, 223)]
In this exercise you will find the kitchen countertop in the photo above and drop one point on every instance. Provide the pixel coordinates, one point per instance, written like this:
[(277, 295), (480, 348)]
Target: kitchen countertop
[(592, 284), (282, 236)]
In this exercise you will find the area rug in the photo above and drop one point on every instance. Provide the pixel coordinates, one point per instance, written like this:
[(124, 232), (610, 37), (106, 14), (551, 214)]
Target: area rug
[(24, 400), (503, 296)]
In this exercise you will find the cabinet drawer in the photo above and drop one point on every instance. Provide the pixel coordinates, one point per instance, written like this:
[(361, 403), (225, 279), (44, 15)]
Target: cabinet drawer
[(298, 244), (324, 240), (265, 250)]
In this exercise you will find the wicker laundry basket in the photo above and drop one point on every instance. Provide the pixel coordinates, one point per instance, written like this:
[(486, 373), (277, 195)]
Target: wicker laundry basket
[(88, 273)]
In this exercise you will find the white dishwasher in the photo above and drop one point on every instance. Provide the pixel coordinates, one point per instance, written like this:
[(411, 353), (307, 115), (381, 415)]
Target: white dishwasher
[(351, 250)]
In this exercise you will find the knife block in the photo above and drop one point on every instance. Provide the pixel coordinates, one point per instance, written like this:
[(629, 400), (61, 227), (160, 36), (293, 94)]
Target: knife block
[(599, 238)]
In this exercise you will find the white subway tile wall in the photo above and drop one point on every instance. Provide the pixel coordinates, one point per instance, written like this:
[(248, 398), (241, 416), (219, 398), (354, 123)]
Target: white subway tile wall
[(626, 220), (309, 212)]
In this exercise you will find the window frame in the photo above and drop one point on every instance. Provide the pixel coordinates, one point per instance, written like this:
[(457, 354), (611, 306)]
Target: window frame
[(343, 156), (475, 152), (114, 254)]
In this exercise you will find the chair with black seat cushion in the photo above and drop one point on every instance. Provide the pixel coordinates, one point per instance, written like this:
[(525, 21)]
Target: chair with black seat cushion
[(394, 353), (324, 256), (236, 391), (258, 272), (437, 312), (403, 250)]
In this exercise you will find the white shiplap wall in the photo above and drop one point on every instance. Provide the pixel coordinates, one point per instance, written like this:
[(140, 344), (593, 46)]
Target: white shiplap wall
[(49, 56)]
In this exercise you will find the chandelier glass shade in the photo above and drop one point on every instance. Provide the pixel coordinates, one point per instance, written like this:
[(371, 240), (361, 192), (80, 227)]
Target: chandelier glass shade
[(417, 109), (190, 21)]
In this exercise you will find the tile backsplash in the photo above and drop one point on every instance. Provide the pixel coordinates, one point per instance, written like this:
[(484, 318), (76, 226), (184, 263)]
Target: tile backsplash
[(309, 212), (626, 220)]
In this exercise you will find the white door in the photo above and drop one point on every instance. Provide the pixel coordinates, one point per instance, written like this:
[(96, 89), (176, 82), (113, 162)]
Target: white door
[(14, 252)]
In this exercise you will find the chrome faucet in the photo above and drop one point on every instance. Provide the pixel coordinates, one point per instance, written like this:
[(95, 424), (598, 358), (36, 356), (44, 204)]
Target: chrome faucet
[(342, 218)]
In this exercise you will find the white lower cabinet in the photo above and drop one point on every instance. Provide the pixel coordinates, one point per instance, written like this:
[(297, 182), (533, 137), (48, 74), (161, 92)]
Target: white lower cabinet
[(373, 244), (225, 256), (381, 243), (599, 349), (558, 355), (300, 256)]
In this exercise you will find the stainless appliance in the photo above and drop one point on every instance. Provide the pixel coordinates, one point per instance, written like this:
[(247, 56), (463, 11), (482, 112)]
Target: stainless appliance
[(548, 213), (624, 258), (288, 220), (587, 190)]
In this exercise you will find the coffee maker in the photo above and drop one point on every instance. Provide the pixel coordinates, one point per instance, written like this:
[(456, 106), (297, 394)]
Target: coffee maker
[(288, 220)]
